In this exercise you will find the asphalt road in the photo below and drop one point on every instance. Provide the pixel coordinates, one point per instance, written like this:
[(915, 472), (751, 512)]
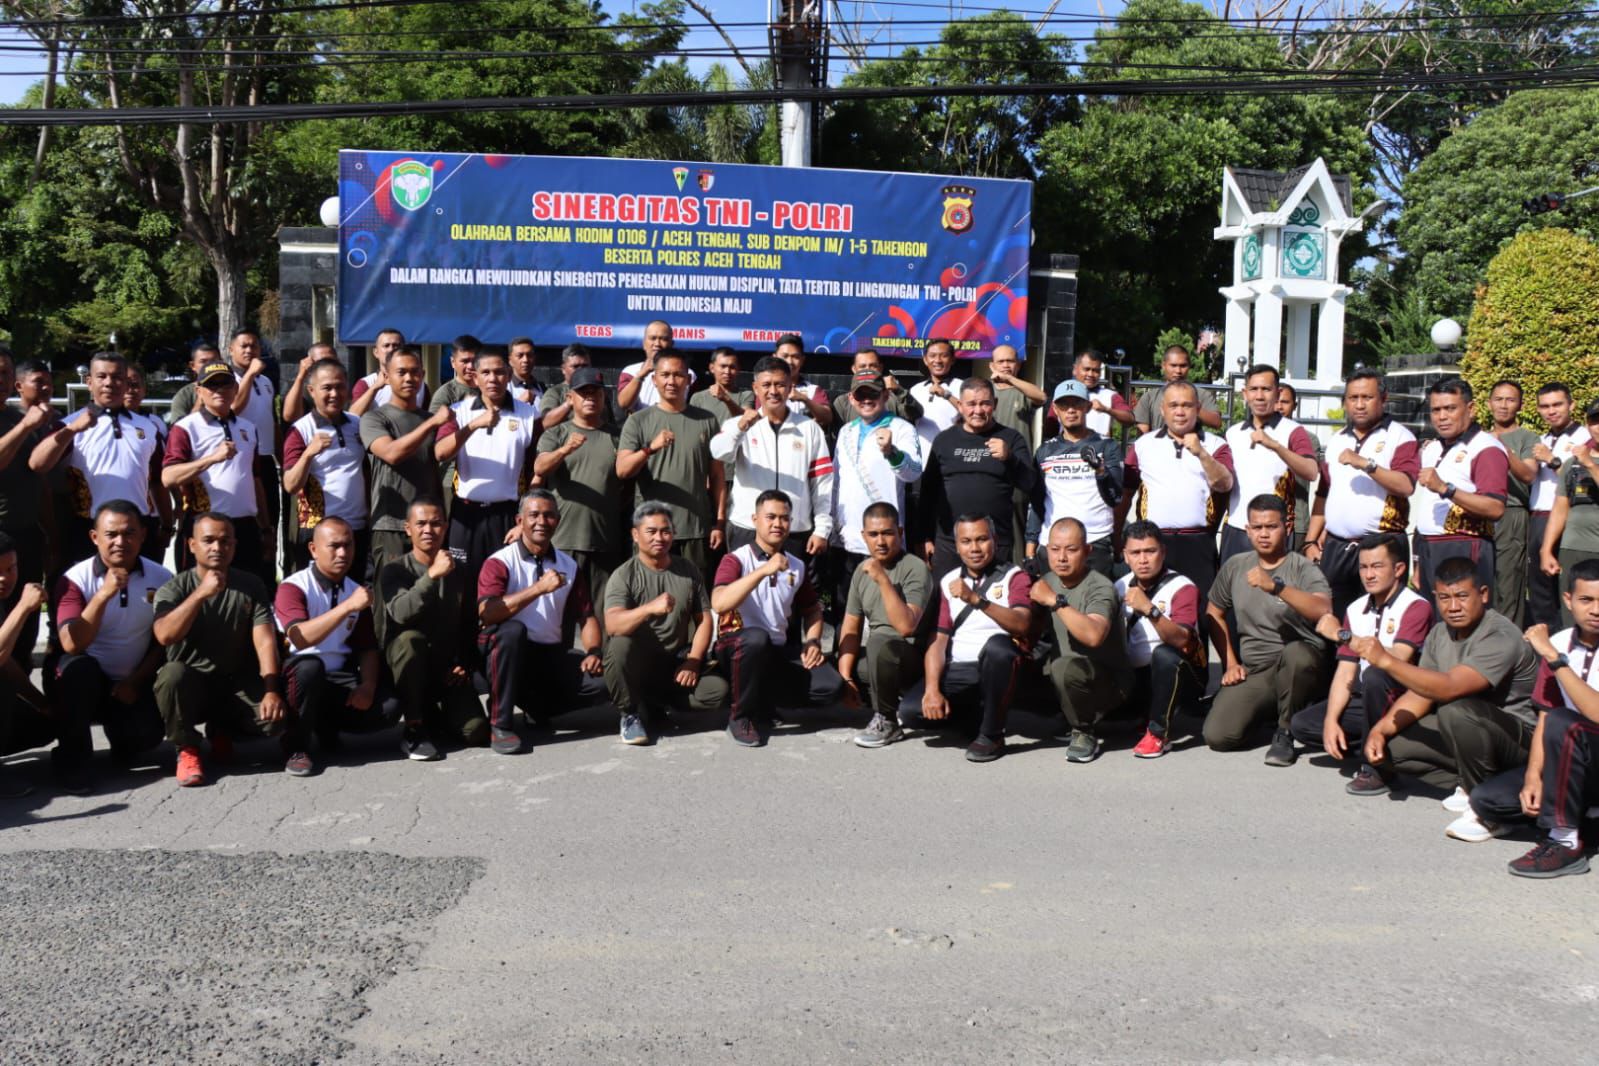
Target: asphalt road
[(808, 902)]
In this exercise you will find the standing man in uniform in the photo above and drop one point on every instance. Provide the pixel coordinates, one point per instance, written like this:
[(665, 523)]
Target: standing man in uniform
[(938, 393), (667, 449), (972, 468), (1015, 401), (1106, 407), (805, 398), (555, 406), (400, 439), (213, 462), (111, 452), (1510, 532), (897, 400), (1365, 486), (522, 386), (1552, 453), (772, 447), (324, 464), (636, 387), (658, 624), (1080, 474), (1271, 455), (1460, 492), (1150, 411), (372, 390), (1175, 475), (577, 461), (462, 384)]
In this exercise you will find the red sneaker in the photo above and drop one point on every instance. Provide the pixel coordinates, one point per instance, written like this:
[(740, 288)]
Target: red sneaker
[(190, 773), (1151, 747)]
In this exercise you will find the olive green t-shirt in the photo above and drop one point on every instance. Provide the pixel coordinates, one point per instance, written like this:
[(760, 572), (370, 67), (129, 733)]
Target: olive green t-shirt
[(1265, 622), (448, 394), (719, 410), (553, 397), (1094, 594), (1518, 442), (910, 578), (678, 475), (1582, 522), (634, 584), (392, 488), (222, 637), (1014, 408), (587, 486), (1496, 650)]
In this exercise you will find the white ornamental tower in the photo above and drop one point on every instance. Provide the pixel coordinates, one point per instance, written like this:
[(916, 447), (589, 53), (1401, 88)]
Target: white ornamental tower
[(1285, 229)]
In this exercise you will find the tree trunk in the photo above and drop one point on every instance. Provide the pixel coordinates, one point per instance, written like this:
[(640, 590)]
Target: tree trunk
[(230, 293)]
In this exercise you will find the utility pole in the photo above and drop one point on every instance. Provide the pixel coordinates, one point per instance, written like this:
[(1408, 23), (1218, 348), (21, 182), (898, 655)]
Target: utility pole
[(799, 57)]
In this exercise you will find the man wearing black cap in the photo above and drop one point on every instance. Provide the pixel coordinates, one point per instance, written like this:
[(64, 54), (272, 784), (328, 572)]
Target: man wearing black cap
[(1081, 477), (211, 456), (577, 461)]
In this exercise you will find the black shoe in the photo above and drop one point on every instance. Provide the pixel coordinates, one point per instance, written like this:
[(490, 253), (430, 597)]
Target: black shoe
[(1281, 752), (1550, 859), (1368, 782), (74, 780), (505, 742), (744, 733), (985, 749), (417, 747)]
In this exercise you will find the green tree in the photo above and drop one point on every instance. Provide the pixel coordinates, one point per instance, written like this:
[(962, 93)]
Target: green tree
[(1134, 185), (1463, 202), (977, 136), (1536, 317)]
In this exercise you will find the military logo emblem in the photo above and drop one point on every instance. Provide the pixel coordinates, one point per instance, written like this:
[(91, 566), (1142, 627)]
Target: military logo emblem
[(412, 183), (680, 175), (958, 208), (706, 179)]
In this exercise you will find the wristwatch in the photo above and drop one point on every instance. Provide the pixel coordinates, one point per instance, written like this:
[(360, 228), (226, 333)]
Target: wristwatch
[(1449, 491), (1154, 613), (1060, 601), (1345, 635), (1371, 466), (1553, 463), (1561, 660), (1277, 585)]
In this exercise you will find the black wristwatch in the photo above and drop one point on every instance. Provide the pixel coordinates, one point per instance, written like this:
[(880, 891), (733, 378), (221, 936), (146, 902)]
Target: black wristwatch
[(1277, 585), (1371, 466), (1345, 636), (1449, 491), (1553, 463), (1154, 614), (1060, 601), (1559, 661)]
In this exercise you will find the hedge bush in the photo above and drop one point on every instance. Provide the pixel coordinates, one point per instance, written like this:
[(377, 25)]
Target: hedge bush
[(1536, 319)]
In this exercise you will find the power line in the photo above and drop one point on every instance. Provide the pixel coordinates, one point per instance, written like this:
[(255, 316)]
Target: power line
[(151, 116)]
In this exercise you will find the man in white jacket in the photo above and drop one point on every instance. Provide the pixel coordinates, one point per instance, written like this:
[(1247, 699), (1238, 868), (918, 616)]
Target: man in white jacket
[(771, 447), (878, 455)]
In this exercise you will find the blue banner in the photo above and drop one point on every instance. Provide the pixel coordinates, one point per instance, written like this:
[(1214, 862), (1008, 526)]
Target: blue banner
[(593, 250)]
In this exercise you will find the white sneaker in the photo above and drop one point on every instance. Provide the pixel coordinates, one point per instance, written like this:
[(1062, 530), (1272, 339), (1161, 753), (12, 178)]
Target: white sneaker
[(1459, 802), (1472, 830)]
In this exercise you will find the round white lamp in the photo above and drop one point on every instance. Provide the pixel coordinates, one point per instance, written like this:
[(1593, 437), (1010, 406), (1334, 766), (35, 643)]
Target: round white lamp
[(1446, 333), (329, 212)]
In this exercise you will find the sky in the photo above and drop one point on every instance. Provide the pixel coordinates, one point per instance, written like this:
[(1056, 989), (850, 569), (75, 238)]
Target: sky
[(889, 23)]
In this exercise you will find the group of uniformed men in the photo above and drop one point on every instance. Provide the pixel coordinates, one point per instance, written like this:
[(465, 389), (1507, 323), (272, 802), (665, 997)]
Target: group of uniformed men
[(475, 543)]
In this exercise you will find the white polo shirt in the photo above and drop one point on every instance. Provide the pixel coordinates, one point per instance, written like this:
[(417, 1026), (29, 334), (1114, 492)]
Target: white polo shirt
[(1356, 504), (112, 460), (514, 568), (385, 393), (1178, 599), (1546, 487), (648, 394), (773, 602), (1549, 691), (228, 488), (1100, 421), (1260, 471), (938, 414), (260, 412), (489, 466), (305, 595), (1475, 461), (1405, 619), (1173, 491), (125, 632), (335, 485), (1010, 587)]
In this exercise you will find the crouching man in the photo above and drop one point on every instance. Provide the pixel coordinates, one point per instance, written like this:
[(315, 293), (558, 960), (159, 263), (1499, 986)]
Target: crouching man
[(527, 593), (327, 620), (1160, 613), (887, 594), (1089, 668), (658, 626), (222, 657), (985, 616), (759, 589)]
